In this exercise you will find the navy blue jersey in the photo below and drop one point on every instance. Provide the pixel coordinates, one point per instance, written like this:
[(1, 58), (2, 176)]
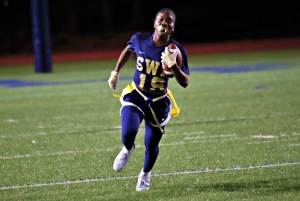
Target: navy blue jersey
[(149, 73)]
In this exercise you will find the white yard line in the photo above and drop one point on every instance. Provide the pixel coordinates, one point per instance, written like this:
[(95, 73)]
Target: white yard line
[(264, 136), (61, 153), (68, 131), (188, 140), (211, 136), (102, 150), (62, 131), (207, 170), (293, 145)]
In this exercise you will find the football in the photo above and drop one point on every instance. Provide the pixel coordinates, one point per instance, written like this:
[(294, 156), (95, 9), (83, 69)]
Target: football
[(172, 47)]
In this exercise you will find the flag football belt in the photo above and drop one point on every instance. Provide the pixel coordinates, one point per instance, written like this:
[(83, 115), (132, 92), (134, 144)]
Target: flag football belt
[(174, 112)]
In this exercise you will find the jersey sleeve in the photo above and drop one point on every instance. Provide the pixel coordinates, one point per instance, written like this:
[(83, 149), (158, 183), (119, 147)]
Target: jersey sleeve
[(131, 43)]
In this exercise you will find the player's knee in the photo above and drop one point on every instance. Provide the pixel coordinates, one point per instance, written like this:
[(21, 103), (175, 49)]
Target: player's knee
[(129, 133)]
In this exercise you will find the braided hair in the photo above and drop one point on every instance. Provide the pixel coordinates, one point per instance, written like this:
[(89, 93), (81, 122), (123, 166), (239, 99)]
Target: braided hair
[(163, 10)]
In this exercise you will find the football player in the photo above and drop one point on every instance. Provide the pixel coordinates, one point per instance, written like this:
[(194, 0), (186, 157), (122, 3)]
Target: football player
[(148, 97)]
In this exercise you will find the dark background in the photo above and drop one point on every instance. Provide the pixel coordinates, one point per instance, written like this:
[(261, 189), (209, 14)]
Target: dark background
[(78, 25)]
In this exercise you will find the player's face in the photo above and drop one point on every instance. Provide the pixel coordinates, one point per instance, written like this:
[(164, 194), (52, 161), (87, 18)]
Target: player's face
[(164, 23)]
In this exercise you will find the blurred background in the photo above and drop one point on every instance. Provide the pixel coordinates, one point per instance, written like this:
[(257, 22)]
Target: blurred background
[(78, 25)]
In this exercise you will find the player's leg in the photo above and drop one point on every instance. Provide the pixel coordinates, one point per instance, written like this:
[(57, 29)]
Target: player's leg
[(152, 138), (131, 118)]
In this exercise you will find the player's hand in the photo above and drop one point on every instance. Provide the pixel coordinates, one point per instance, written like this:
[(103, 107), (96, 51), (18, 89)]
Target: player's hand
[(113, 81), (168, 58)]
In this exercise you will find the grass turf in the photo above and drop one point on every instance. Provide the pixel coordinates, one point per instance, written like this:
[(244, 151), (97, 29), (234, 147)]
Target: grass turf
[(237, 136)]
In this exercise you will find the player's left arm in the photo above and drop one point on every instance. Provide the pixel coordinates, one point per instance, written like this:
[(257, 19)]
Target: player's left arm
[(180, 76), (170, 60)]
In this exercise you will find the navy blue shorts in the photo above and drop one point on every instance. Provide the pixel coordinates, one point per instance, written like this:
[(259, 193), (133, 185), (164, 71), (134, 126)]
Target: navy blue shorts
[(161, 107)]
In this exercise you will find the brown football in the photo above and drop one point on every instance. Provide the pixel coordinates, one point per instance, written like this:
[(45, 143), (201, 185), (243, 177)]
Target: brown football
[(167, 70)]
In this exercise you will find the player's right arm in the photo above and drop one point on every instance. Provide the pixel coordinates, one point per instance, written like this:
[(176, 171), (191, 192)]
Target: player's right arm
[(113, 81), (123, 58)]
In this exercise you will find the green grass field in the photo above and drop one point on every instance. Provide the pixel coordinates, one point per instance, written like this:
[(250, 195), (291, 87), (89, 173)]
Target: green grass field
[(236, 138)]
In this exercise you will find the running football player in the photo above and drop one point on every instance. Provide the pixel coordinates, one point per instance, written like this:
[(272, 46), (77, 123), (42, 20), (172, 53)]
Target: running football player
[(148, 97)]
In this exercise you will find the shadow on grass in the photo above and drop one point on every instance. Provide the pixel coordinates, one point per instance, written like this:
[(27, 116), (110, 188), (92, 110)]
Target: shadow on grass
[(267, 188), (220, 191), (275, 185)]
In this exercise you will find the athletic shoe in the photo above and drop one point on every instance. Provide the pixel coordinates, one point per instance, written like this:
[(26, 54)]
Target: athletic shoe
[(143, 181), (122, 158)]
